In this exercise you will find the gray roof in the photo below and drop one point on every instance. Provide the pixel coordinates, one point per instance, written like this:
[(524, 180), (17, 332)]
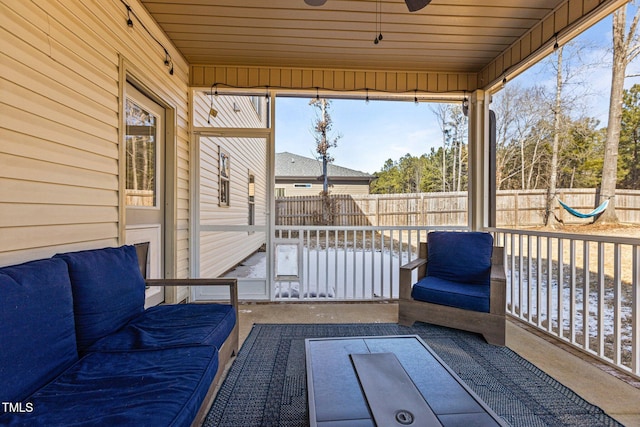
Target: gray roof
[(293, 165)]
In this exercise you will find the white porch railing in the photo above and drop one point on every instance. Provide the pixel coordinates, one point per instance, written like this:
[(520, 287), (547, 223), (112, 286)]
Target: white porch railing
[(549, 275), (349, 263)]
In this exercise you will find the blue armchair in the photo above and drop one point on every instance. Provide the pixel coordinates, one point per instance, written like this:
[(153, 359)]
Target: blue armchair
[(461, 284)]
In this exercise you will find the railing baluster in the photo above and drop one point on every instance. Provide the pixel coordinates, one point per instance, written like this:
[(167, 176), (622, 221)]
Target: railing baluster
[(354, 264), (601, 296), (539, 282), (560, 291), (521, 272), (317, 263), (572, 291), (529, 287), (364, 263), (335, 265), (373, 263), (344, 244), (549, 283), (635, 312), (617, 306), (382, 262), (586, 295), (513, 273), (326, 261)]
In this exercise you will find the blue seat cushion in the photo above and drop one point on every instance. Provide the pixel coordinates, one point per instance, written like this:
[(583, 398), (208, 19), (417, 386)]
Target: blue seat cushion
[(463, 257), (171, 325), (162, 387), (38, 334), (108, 291), (453, 294)]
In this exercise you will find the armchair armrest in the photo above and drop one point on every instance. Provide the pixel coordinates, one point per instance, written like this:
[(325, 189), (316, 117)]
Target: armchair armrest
[(406, 271), (498, 286), (231, 283)]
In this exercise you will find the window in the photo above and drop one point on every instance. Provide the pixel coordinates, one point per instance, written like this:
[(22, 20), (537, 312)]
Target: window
[(256, 101), (225, 176), (279, 192), (141, 155), (302, 185)]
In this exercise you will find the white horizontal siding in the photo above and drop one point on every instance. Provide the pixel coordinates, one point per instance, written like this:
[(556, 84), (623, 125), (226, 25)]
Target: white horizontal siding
[(220, 251), (59, 157), (243, 116)]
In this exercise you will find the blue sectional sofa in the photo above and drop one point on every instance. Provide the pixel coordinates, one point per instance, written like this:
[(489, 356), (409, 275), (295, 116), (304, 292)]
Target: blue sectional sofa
[(78, 348)]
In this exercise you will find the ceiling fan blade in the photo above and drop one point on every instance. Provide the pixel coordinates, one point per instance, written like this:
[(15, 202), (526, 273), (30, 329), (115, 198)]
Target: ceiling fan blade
[(315, 2), (415, 5)]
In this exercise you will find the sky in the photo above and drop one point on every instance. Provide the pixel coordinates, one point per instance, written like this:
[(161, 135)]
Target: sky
[(370, 132), (376, 131)]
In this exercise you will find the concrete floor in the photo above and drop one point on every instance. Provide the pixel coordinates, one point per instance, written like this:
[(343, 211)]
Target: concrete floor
[(616, 397)]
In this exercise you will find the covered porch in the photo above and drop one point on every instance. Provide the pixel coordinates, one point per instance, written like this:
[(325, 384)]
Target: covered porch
[(70, 66)]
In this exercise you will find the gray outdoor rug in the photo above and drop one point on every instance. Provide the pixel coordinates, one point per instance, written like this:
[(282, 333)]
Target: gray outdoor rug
[(266, 385)]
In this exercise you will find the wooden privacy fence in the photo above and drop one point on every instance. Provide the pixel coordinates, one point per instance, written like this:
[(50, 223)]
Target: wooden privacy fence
[(514, 208)]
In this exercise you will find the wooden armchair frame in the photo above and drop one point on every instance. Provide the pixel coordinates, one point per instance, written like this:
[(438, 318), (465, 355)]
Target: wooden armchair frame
[(491, 325)]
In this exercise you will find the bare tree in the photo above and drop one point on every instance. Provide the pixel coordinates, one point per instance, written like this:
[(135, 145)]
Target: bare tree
[(625, 50), (324, 140), (442, 114), (552, 199), (521, 134)]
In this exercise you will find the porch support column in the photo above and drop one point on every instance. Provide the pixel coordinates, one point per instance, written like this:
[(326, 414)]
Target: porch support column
[(478, 208)]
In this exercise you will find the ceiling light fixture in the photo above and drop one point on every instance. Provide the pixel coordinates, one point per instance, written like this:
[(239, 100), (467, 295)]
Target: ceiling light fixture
[(378, 38), (129, 20), (465, 105), (412, 5), (415, 5)]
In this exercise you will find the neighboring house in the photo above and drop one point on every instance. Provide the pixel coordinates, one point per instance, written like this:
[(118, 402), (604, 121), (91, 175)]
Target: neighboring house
[(302, 176)]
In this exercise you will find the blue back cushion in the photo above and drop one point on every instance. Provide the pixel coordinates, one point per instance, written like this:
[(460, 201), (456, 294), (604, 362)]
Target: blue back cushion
[(38, 335), (108, 291), (463, 257)]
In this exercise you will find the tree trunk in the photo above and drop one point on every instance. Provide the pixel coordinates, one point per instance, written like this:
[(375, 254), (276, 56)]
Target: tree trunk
[(134, 163), (552, 198), (610, 164), (325, 179), (459, 169)]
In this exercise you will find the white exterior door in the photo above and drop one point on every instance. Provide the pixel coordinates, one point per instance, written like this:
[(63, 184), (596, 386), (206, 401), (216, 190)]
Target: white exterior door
[(145, 151)]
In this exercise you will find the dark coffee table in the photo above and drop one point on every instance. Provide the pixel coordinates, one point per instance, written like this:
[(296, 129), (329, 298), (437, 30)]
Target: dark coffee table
[(387, 381)]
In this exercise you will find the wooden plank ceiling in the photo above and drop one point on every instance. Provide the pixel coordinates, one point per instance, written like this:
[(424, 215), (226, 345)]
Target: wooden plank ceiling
[(458, 36)]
